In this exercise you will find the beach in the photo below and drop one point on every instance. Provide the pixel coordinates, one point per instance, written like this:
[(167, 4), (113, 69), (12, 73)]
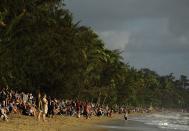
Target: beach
[(58, 123), (158, 121)]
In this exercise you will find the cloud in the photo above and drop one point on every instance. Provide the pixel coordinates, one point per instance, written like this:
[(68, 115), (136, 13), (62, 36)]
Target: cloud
[(103, 13), (115, 39), (152, 33)]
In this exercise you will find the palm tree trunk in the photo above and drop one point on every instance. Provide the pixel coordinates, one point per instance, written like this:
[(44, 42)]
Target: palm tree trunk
[(99, 98), (104, 100)]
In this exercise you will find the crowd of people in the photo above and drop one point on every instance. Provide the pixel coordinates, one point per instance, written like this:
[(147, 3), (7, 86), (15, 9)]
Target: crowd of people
[(41, 106)]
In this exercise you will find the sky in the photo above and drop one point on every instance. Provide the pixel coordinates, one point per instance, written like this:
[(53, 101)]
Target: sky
[(152, 34)]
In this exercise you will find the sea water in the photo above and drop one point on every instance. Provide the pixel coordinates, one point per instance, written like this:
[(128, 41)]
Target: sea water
[(166, 121)]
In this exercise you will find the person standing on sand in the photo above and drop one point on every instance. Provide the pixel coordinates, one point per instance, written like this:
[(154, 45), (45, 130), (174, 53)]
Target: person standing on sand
[(44, 107), (78, 104), (86, 110), (126, 115), (39, 105)]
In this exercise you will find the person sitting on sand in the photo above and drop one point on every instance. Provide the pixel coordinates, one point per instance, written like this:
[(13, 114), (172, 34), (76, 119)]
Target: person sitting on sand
[(99, 112), (15, 109), (3, 114), (31, 110), (110, 111)]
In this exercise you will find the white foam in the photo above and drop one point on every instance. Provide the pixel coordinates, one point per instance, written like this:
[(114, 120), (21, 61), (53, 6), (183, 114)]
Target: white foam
[(167, 116), (176, 127), (175, 121)]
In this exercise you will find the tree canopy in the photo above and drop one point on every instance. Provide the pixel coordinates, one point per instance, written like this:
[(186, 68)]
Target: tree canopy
[(41, 47)]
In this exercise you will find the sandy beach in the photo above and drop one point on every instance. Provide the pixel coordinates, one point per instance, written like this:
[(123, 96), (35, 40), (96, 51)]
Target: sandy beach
[(137, 121), (58, 123)]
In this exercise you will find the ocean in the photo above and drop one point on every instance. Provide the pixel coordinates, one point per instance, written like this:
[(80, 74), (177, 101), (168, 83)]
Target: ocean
[(166, 121)]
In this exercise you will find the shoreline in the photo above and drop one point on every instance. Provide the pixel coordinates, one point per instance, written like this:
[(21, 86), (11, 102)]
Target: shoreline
[(59, 123)]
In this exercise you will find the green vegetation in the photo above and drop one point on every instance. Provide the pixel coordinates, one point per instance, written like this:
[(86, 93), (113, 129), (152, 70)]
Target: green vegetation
[(41, 47)]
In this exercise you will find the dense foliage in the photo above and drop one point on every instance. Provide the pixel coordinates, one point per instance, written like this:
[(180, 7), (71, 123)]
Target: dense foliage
[(42, 48)]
